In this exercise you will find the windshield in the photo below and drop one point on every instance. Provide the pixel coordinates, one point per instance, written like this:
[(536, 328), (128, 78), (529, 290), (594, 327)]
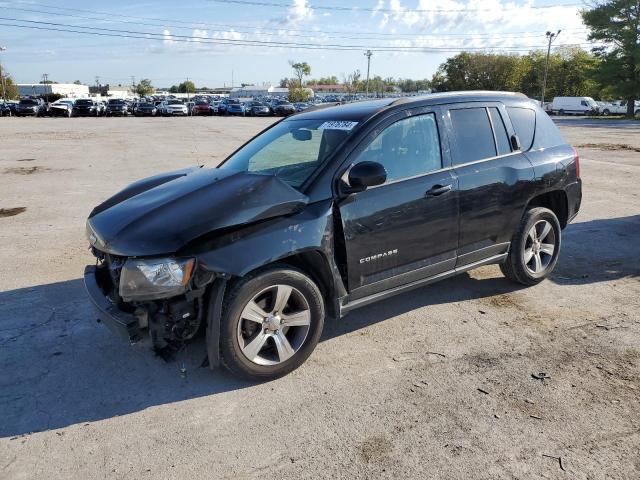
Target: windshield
[(175, 102), (116, 102), (84, 102), (28, 102), (291, 150)]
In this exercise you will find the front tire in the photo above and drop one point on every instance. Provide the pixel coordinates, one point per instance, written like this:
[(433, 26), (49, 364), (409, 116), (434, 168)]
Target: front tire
[(271, 322), (534, 248)]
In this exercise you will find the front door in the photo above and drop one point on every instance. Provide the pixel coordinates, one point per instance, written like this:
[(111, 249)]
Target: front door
[(407, 228)]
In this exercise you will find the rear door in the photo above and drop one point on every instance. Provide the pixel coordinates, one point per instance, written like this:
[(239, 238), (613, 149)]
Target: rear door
[(406, 228), (494, 181)]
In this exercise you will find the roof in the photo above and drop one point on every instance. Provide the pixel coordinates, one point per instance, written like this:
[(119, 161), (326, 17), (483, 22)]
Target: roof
[(360, 111)]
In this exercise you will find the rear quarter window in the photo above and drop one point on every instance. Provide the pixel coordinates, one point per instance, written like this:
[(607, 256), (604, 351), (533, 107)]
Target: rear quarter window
[(547, 134), (524, 123)]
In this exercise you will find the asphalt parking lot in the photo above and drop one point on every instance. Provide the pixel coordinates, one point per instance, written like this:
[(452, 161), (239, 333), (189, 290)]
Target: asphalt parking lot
[(440, 382)]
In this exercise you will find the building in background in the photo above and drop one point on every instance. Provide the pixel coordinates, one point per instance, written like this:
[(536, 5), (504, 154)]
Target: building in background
[(68, 90), (253, 91), (111, 91)]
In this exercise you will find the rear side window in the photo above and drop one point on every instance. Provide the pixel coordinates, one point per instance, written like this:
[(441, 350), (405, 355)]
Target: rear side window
[(547, 134), (474, 138), (502, 139), (524, 123)]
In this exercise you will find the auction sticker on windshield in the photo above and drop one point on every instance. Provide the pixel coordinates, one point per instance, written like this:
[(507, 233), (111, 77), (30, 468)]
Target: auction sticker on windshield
[(337, 125)]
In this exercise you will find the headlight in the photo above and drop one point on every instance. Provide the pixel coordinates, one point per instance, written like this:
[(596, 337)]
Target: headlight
[(155, 278)]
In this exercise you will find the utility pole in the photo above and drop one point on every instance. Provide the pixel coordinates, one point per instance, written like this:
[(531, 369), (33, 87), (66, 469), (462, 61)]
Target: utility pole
[(368, 54), (133, 85), (2, 82), (550, 37), (45, 82)]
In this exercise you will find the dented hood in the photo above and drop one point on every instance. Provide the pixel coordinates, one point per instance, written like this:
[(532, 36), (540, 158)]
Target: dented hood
[(160, 214)]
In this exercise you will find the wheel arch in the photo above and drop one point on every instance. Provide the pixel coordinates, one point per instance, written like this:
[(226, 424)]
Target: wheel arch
[(556, 201), (315, 264)]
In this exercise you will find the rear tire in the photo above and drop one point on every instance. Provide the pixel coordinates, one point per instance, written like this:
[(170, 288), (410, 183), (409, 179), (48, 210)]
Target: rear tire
[(534, 248), (265, 347)]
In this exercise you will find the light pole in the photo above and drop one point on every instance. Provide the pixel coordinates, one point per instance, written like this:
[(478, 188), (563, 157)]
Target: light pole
[(2, 83), (550, 37), (368, 54)]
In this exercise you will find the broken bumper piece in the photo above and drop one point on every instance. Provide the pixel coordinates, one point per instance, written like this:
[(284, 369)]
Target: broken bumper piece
[(123, 324)]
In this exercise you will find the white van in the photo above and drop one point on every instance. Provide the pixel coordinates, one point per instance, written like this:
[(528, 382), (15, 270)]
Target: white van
[(574, 106)]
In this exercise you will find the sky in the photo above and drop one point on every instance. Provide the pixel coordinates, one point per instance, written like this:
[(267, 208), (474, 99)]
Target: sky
[(219, 42)]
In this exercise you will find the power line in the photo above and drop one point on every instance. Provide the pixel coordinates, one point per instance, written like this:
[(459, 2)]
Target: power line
[(51, 26), (258, 29), (340, 8)]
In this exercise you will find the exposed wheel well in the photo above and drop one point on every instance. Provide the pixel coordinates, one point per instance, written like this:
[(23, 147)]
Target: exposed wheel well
[(555, 201), (315, 265)]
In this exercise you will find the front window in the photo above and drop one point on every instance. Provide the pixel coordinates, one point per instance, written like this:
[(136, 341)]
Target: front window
[(291, 150), (406, 148), (84, 102), (28, 102)]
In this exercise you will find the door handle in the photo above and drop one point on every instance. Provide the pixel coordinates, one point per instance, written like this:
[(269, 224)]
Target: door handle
[(437, 190)]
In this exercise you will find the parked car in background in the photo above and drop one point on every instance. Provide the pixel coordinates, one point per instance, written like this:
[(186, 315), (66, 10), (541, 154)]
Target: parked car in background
[(213, 107), (61, 108), (257, 109), (327, 212), (5, 109), (222, 106), (235, 107), (172, 107), (282, 108), (574, 106), (301, 106), (201, 107), (117, 107), (30, 107), (619, 107), (146, 109), (85, 107)]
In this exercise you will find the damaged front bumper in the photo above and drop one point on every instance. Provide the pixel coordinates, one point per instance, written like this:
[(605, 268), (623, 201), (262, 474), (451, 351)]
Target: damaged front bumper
[(124, 325)]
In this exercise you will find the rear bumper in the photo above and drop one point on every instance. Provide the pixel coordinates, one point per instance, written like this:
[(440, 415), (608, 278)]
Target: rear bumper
[(123, 324), (574, 199)]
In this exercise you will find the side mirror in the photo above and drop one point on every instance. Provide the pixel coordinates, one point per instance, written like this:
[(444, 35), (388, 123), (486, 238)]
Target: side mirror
[(366, 174), (515, 143)]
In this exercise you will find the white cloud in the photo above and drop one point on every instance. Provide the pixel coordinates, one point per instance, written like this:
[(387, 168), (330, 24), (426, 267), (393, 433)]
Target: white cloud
[(299, 12)]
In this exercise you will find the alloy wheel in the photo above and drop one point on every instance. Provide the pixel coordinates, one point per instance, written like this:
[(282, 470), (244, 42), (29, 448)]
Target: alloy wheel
[(274, 325), (539, 247)]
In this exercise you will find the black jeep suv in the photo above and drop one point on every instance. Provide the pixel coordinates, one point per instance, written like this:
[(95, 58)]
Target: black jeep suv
[(325, 212)]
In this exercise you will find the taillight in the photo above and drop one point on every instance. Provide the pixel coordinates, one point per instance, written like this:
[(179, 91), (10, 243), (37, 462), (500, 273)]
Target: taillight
[(576, 160)]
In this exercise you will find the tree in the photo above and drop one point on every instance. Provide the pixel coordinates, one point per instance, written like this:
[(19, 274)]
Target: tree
[(351, 81), (570, 73), (616, 23), (144, 88), (187, 87), (301, 69), (77, 82), (297, 94), (8, 89), (173, 89)]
